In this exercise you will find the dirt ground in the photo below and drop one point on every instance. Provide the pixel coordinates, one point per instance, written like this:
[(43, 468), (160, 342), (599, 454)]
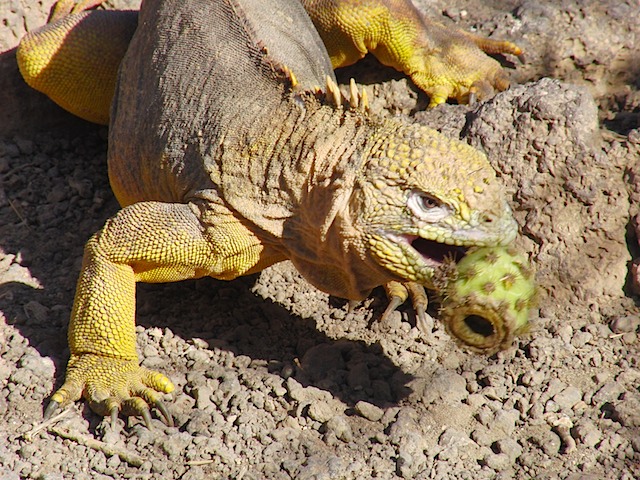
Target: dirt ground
[(277, 380)]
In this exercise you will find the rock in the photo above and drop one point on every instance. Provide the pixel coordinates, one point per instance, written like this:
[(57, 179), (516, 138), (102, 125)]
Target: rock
[(444, 386), (339, 426), (482, 436), (202, 395), (321, 411), (505, 421), (321, 359), (626, 411), (543, 139), (358, 377), (548, 441), (586, 432), (176, 444), (609, 392), (454, 443), (510, 447), (497, 461), (580, 339), (567, 398), (369, 411), (625, 323), (411, 442)]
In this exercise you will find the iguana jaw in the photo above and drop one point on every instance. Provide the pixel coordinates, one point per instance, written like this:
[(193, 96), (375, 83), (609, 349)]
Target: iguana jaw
[(434, 253), (415, 257)]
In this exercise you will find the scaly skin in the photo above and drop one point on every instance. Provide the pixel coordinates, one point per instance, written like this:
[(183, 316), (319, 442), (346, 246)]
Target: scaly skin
[(74, 60), (444, 62), (354, 202)]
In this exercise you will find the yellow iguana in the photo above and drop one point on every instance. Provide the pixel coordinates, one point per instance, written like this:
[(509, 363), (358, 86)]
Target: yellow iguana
[(227, 158)]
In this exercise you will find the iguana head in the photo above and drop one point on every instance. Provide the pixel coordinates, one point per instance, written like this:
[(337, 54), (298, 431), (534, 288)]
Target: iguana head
[(423, 197)]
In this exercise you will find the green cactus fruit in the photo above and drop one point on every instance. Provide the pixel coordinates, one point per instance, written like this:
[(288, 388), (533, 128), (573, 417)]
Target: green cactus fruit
[(486, 298)]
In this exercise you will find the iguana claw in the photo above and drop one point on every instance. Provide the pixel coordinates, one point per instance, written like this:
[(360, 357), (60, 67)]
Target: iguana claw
[(52, 408), (398, 294), (168, 419), (146, 416)]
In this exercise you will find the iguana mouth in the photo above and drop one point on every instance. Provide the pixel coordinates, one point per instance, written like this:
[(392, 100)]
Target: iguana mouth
[(436, 251)]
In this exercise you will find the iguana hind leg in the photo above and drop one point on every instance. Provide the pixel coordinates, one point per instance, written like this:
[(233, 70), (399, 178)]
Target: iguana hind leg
[(74, 60), (444, 62), (62, 8)]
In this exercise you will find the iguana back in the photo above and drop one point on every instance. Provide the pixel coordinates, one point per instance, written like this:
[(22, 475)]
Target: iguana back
[(199, 76)]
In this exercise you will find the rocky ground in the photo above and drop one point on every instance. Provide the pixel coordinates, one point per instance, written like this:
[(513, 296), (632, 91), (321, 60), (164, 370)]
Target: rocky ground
[(277, 380)]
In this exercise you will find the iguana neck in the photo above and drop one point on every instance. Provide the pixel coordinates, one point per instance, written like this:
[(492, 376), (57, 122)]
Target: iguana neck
[(295, 179)]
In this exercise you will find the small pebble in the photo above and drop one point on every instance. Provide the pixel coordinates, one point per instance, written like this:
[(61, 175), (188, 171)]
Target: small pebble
[(321, 411), (627, 412), (548, 441), (509, 447), (567, 398), (624, 324), (339, 426), (609, 392), (498, 461), (482, 436), (369, 411), (580, 339), (587, 433)]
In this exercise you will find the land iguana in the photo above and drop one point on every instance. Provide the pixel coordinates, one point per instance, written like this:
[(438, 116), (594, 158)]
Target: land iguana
[(227, 158)]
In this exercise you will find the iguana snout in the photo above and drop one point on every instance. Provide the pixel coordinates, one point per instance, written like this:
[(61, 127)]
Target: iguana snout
[(424, 198)]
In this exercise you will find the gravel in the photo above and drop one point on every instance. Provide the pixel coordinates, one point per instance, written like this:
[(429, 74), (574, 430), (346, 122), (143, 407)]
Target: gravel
[(277, 380)]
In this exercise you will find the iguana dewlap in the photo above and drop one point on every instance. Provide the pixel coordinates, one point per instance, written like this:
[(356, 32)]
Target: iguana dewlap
[(227, 159)]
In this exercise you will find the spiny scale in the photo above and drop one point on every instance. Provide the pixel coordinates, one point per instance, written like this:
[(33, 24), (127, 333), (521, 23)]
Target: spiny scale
[(357, 100)]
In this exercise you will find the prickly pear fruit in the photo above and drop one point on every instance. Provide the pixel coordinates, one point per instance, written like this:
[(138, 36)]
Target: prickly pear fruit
[(486, 298)]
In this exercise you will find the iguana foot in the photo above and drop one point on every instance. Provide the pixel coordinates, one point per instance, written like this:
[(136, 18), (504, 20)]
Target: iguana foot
[(442, 61), (398, 293), (112, 386)]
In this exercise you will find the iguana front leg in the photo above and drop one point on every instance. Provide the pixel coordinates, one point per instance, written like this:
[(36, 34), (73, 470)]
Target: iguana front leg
[(149, 242), (444, 62)]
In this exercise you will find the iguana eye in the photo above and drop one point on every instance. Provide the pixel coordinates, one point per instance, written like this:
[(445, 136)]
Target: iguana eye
[(426, 207)]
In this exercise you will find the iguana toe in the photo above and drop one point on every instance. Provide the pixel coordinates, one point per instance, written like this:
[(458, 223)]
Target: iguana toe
[(398, 293)]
